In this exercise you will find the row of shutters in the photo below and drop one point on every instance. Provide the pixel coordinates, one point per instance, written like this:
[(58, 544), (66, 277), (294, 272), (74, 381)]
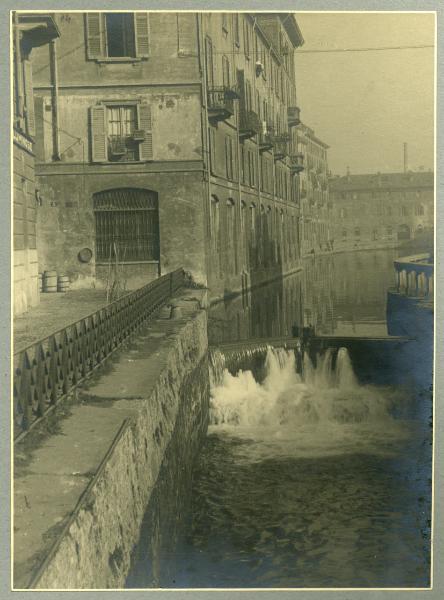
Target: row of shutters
[(99, 132)]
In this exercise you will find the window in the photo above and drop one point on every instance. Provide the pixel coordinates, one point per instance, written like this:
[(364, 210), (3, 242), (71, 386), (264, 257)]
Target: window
[(389, 232), (344, 234), (225, 71), (127, 225), (236, 29), (212, 150), (251, 168), (375, 234), (215, 223), (404, 211), (117, 35), (231, 234), (121, 121), (121, 132), (248, 96), (229, 157), (419, 210), (357, 232), (246, 38), (209, 62)]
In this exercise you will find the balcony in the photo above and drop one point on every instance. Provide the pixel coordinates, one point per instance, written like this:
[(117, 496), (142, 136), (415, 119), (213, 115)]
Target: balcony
[(297, 163), (293, 116), (249, 124), (281, 146), (266, 141), (220, 103)]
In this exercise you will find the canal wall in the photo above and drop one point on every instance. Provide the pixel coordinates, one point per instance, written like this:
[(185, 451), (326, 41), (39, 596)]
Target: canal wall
[(145, 415)]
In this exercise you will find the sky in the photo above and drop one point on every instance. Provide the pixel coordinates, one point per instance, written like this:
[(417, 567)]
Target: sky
[(365, 105)]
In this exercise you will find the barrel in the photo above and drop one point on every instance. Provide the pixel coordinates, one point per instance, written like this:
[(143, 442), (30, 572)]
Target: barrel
[(50, 281), (40, 282), (63, 283)]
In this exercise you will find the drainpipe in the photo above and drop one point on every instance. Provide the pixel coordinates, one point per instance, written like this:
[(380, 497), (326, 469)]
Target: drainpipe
[(54, 100), (18, 70), (205, 144)]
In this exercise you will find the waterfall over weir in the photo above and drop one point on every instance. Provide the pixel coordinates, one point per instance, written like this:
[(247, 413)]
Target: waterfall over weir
[(323, 409)]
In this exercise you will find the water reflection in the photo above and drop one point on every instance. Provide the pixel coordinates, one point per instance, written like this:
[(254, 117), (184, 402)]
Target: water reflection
[(343, 294)]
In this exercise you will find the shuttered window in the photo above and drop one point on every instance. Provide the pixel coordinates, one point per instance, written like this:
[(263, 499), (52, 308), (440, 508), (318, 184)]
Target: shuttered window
[(127, 225), (225, 72), (229, 162), (117, 35), (121, 133), (209, 62)]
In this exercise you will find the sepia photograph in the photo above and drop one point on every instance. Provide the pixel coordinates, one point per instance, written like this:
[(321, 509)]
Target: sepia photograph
[(223, 289)]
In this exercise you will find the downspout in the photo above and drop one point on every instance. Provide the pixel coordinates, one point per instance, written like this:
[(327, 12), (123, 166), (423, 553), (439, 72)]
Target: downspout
[(54, 100), (242, 234), (18, 71), (206, 148), (259, 195)]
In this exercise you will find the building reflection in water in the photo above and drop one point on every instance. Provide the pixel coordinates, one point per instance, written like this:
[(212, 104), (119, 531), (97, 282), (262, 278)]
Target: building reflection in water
[(342, 294)]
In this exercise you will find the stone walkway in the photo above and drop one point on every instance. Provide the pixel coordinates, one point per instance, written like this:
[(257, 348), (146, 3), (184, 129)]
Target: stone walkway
[(54, 312), (54, 465)]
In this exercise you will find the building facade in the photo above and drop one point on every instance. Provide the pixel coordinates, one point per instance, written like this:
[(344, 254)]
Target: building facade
[(382, 210), (315, 233), (166, 140), (28, 32)]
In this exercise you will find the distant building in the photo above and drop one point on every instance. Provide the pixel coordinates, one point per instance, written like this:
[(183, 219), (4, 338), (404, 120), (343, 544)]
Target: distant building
[(166, 140), (28, 31), (382, 210), (314, 195)]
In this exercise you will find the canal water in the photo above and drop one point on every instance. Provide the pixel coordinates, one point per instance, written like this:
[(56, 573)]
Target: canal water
[(314, 474)]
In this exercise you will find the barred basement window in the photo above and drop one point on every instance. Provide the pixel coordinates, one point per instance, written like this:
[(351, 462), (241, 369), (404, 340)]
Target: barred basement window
[(127, 225)]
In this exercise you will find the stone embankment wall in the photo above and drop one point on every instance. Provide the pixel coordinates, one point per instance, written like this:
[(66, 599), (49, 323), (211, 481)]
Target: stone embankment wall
[(162, 433)]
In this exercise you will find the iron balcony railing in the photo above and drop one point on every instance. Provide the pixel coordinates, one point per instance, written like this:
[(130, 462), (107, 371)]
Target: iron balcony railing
[(266, 137), (293, 116), (47, 370), (221, 103), (249, 124), (297, 162), (281, 145)]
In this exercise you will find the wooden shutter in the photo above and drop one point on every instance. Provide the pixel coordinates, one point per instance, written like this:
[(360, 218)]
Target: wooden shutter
[(186, 37), (141, 30), (209, 61), (95, 35), (145, 123), (99, 138), (29, 98)]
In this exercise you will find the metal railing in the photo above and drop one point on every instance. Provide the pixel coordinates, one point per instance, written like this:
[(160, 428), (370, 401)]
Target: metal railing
[(47, 370), (414, 275)]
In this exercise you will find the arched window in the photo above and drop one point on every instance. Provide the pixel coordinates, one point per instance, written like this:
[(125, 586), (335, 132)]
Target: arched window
[(231, 222), (127, 225)]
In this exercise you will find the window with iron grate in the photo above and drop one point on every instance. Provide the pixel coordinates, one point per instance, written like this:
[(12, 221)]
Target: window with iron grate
[(127, 225)]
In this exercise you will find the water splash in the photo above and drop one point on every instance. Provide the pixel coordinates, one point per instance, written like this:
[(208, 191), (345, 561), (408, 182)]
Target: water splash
[(324, 409)]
